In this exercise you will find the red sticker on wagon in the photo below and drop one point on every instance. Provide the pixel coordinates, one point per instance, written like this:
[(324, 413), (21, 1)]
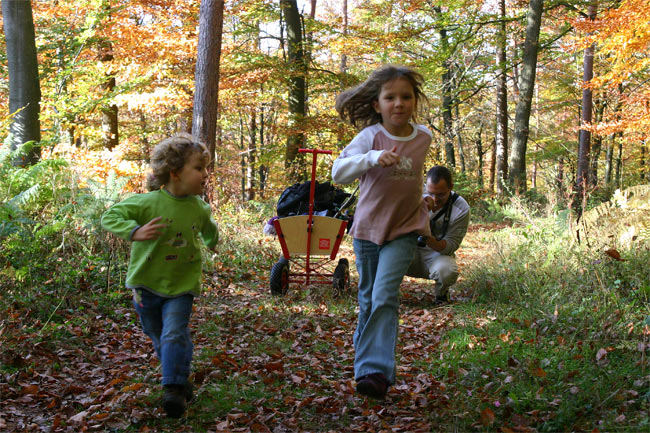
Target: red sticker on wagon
[(324, 244)]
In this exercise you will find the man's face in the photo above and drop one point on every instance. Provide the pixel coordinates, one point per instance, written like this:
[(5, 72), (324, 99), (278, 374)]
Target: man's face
[(439, 192)]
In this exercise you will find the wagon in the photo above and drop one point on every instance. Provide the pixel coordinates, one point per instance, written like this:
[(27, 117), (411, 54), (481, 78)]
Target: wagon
[(309, 244)]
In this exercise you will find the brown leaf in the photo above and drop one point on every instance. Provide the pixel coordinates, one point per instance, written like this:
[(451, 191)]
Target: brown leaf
[(614, 254), (487, 417), (538, 372), (29, 389), (133, 387), (601, 354)]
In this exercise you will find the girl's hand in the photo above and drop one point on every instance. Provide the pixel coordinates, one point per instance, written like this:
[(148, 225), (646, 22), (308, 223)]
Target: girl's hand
[(430, 203), (388, 158), (148, 231)]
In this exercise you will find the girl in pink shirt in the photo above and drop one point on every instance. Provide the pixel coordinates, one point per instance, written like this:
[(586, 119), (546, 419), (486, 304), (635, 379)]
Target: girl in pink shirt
[(387, 156)]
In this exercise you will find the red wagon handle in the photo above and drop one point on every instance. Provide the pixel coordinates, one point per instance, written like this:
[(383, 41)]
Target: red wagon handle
[(312, 190)]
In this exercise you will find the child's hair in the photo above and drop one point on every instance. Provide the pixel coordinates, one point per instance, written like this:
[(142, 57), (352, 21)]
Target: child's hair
[(438, 173), (170, 155), (355, 104)]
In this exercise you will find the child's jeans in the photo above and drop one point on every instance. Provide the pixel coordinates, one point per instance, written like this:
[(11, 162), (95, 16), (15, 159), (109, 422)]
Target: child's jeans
[(165, 321), (381, 269)]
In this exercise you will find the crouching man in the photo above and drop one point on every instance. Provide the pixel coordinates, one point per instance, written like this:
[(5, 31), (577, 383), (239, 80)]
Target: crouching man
[(448, 217)]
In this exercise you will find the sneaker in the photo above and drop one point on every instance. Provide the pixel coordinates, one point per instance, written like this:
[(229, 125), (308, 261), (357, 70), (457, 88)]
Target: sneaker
[(174, 400), (374, 385)]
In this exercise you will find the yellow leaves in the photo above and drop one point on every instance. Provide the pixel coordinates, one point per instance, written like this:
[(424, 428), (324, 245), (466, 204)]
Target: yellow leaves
[(96, 165)]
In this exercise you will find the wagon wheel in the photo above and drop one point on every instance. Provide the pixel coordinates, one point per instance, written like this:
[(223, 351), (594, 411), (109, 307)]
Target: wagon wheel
[(341, 278), (279, 281)]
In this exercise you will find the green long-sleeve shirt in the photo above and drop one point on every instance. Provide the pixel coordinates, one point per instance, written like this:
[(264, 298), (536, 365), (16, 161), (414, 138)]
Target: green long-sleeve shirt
[(170, 265)]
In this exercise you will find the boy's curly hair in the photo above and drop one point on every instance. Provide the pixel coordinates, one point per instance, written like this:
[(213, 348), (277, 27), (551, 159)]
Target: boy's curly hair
[(170, 155)]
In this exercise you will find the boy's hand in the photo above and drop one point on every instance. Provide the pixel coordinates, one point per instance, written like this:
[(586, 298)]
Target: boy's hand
[(389, 158), (148, 231)]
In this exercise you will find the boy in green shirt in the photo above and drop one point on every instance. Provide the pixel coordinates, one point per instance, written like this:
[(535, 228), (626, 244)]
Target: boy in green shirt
[(164, 272)]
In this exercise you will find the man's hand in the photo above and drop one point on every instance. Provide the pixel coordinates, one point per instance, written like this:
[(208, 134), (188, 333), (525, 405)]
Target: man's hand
[(389, 158), (148, 231)]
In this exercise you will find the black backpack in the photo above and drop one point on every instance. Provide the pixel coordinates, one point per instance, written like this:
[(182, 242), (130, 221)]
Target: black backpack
[(295, 199)]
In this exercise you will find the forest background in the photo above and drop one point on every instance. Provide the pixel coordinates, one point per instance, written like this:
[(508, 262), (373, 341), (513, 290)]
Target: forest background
[(541, 108)]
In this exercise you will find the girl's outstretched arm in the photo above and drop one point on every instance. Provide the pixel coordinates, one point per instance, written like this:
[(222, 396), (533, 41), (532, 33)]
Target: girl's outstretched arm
[(357, 158)]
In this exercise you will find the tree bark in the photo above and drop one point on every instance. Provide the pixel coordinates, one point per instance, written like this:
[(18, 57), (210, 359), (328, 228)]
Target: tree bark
[(480, 153), (250, 159), (206, 76), (584, 142), (619, 159), (608, 162), (598, 144), (24, 84), (517, 160), (643, 166), (344, 58), (493, 165), (296, 94), (447, 120), (459, 138), (501, 104), (110, 125)]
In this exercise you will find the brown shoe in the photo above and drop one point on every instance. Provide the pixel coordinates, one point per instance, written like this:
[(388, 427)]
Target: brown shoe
[(374, 385)]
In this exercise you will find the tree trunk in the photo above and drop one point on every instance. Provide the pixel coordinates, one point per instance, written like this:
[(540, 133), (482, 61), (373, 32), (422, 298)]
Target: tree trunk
[(643, 167), (584, 142), (447, 120), (608, 162), (24, 85), (517, 160), (344, 58), (559, 180), (206, 76), (619, 159), (501, 104), (515, 70), (459, 138), (598, 144), (297, 74), (493, 164), (262, 169), (110, 125), (242, 158), (479, 154), (251, 155)]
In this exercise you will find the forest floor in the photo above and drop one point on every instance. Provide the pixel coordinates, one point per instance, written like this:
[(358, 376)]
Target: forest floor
[(261, 364)]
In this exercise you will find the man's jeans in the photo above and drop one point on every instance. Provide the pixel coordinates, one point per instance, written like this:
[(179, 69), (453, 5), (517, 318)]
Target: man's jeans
[(165, 321), (381, 269), (432, 265)]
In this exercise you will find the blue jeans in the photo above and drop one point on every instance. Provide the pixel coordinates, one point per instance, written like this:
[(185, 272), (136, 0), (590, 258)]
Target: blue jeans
[(381, 269), (165, 321)]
